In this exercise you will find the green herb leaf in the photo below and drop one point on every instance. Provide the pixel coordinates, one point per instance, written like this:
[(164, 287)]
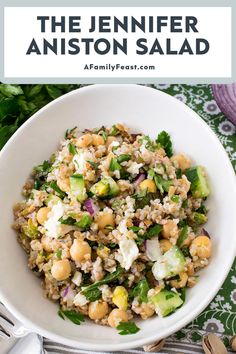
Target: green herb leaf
[(114, 131), (107, 279), (68, 221), (114, 165), (55, 187), (178, 173), (72, 149), (162, 184), (140, 291), (164, 141), (153, 231), (93, 294), (73, 316), (69, 133), (85, 222), (143, 198), (43, 168), (58, 254), (127, 328), (124, 157), (182, 236)]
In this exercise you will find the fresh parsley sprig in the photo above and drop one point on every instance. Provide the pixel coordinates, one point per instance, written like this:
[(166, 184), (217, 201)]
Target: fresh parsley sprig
[(125, 328), (73, 316)]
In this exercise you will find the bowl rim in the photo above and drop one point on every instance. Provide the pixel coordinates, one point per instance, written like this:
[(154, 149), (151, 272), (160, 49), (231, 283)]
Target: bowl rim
[(202, 304)]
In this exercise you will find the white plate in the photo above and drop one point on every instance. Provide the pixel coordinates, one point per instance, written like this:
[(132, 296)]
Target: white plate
[(143, 109)]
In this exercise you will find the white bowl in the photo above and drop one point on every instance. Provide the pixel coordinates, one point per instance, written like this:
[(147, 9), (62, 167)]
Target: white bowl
[(143, 109)]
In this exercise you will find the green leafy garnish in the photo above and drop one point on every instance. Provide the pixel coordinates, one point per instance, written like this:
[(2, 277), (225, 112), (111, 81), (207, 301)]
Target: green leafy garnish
[(140, 291), (58, 254), (178, 173), (123, 158), (55, 187), (114, 131), (202, 209), (93, 295), (84, 222), (185, 251), (182, 236), (72, 149), (164, 141), (43, 168), (153, 231), (143, 198), (162, 184), (73, 316), (114, 165), (127, 328), (69, 133), (107, 279), (68, 221)]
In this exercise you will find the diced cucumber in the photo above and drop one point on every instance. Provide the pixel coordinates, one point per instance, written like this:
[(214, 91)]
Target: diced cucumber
[(106, 187), (170, 264), (77, 187), (166, 302), (52, 200), (199, 186)]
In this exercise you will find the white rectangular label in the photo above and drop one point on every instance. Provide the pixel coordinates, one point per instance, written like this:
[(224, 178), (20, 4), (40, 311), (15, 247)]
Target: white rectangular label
[(149, 42)]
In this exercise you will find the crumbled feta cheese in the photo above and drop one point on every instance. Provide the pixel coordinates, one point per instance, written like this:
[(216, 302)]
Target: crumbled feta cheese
[(81, 159), (134, 168), (77, 278), (80, 300), (129, 252), (52, 224)]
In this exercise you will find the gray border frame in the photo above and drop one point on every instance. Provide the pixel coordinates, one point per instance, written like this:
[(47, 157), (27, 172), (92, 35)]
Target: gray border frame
[(117, 3)]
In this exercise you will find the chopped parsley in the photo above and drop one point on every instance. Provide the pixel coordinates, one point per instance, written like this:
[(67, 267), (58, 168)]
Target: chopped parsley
[(125, 328)]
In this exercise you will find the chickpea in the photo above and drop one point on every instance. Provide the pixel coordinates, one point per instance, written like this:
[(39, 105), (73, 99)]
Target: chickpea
[(97, 310), (61, 269), (84, 140), (149, 185), (98, 140), (181, 161), (170, 229), (110, 140), (47, 243), (42, 215), (165, 245), (116, 316), (181, 282), (105, 219), (63, 184), (80, 251), (201, 247), (146, 311)]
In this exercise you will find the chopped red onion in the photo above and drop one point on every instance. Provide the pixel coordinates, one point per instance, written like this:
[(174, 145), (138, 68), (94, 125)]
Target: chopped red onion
[(225, 96), (139, 179), (68, 295), (204, 232), (90, 206)]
